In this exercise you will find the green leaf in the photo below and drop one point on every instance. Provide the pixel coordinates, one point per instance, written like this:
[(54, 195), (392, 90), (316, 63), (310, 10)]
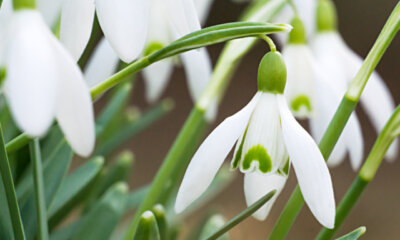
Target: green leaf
[(101, 220), (159, 212), (54, 171), (133, 127), (147, 228), (73, 190), (213, 224), (8, 184), (136, 197), (242, 216), (113, 107), (354, 235), (66, 232)]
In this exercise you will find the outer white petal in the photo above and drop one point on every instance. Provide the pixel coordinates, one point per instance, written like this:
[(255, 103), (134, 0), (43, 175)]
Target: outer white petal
[(354, 140), (124, 23), (198, 70), (102, 64), (300, 76), (203, 8), (31, 81), (210, 156), (50, 10), (159, 26), (76, 25), (156, 78), (74, 110), (311, 170), (257, 185), (183, 17)]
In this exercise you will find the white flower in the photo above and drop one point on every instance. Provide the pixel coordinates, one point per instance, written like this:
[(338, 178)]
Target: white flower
[(203, 9), (268, 139), (311, 95), (306, 12), (340, 65), (43, 82)]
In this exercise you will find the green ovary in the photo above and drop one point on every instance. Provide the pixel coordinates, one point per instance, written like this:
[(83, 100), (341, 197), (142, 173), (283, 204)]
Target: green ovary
[(152, 47), (258, 154), (301, 101)]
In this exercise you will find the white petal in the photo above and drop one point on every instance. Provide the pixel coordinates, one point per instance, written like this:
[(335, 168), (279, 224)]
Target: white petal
[(156, 78), (265, 129), (31, 81), (354, 141), (183, 17), (311, 170), (393, 150), (102, 64), (74, 110), (210, 156), (124, 24), (300, 77), (257, 185), (203, 8), (76, 25), (159, 30), (198, 71), (50, 10)]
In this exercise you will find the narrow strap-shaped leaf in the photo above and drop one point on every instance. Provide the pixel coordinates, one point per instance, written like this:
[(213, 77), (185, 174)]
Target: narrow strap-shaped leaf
[(72, 190), (100, 221), (54, 172), (41, 213), (159, 212), (136, 197), (6, 229), (113, 107), (133, 127), (9, 187), (242, 216), (354, 235), (147, 228)]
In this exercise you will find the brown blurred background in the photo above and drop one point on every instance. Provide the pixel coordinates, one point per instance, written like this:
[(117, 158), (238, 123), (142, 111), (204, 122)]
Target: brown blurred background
[(360, 22)]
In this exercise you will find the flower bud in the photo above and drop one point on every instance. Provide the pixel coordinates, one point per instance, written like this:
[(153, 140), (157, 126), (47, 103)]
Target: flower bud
[(326, 16), (298, 33), (272, 73)]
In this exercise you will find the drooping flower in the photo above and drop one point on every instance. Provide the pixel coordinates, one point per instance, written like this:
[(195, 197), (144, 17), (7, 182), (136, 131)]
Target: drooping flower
[(43, 82), (312, 96), (340, 65), (268, 139), (139, 27)]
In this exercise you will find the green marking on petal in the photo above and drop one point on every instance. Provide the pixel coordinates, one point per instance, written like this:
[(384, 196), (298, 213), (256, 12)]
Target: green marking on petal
[(259, 154), (301, 101), (285, 170), (152, 47), (238, 155)]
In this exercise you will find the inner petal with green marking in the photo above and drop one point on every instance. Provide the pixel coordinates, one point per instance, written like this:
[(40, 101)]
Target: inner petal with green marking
[(257, 156), (301, 101)]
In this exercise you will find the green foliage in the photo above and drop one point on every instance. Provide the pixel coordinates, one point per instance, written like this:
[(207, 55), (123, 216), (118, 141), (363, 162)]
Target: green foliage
[(354, 235)]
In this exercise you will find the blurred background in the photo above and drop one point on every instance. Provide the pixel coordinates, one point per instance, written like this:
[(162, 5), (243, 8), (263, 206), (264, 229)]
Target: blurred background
[(360, 22)]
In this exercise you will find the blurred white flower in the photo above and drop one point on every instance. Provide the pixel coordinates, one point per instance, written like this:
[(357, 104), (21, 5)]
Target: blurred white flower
[(43, 82), (268, 139), (340, 65), (311, 95)]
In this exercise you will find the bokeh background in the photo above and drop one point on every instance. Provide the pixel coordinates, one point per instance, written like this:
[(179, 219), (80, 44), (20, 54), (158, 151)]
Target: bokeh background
[(360, 22)]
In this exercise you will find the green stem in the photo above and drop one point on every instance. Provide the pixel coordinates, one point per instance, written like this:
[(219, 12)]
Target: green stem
[(366, 174), (10, 191), (24, 4), (43, 232), (340, 119), (17, 143)]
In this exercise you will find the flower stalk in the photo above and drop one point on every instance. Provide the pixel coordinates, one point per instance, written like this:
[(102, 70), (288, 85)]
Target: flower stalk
[(341, 117), (366, 174)]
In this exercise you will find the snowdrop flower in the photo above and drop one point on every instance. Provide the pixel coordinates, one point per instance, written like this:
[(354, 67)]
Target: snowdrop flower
[(268, 139), (305, 10), (43, 82), (311, 95), (341, 65), (134, 27), (203, 9)]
